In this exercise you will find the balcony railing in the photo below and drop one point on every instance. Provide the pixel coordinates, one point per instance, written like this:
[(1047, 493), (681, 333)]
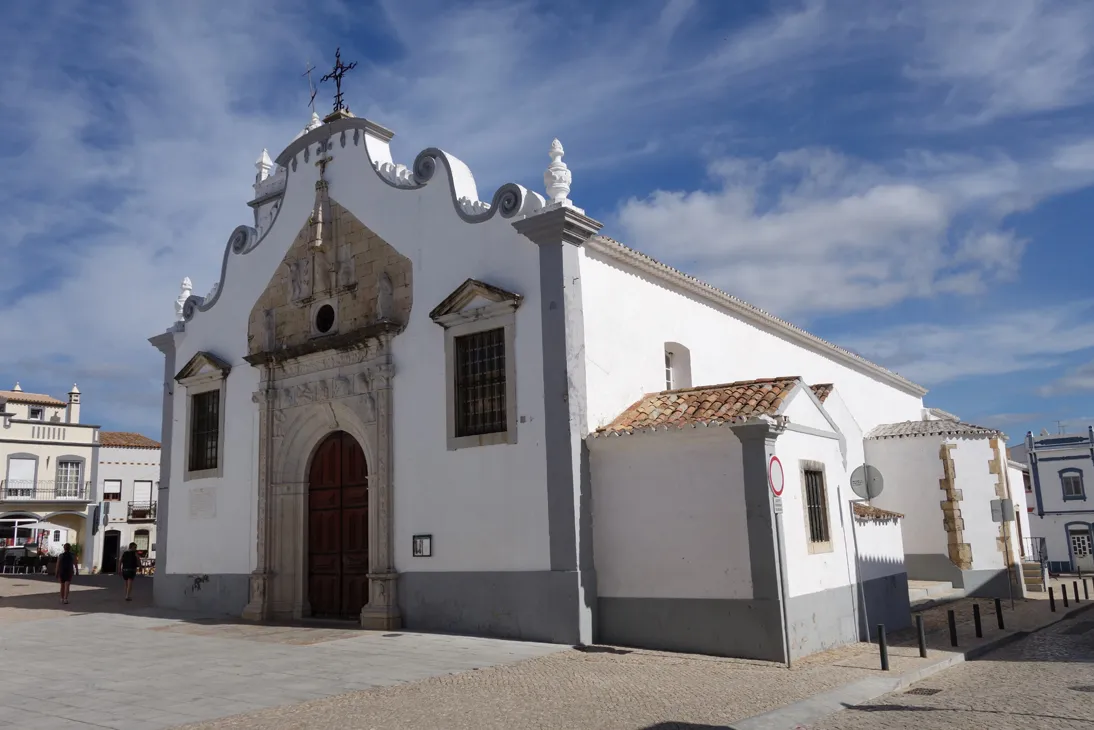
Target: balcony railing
[(44, 490), (141, 512)]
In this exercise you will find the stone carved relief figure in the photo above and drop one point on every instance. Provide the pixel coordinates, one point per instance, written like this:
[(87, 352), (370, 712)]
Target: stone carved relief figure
[(279, 424), (303, 393), (295, 288), (288, 399), (271, 329), (341, 387), (385, 297), (322, 390), (369, 403), (346, 269)]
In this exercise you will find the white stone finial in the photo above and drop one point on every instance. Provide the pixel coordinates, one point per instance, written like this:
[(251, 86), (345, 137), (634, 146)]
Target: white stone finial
[(185, 289), (18, 388), (74, 391), (557, 178), (264, 165), (314, 123)]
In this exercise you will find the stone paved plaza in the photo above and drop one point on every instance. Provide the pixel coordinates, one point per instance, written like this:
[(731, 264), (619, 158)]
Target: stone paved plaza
[(101, 662)]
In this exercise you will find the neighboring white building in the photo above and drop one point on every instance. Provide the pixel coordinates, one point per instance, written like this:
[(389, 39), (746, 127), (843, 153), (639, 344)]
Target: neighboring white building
[(49, 462), (943, 475), (399, 404), (129, 474), (1062, 470)]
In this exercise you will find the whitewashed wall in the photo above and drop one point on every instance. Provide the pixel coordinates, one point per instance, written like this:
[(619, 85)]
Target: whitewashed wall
[(1054, 529), (501, 490), (971, 461), (628, 320), (880, 548), (911, 470), (670, 516), (1018, 495), (1052, 490), (841, 415), (814, 572)]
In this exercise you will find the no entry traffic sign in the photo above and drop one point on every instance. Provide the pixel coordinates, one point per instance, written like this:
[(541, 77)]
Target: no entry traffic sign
[(775, 476)]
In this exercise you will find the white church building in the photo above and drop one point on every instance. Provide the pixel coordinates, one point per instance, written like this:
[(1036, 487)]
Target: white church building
[(410, 407)]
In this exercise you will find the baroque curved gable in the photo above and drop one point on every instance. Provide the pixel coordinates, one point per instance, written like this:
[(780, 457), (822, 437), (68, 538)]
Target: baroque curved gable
[(510, 201)]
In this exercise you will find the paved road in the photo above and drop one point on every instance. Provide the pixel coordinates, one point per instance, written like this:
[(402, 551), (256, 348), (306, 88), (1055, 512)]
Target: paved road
[(1045, 681)]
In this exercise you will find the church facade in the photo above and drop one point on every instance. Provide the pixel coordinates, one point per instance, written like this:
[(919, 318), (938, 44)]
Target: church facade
[(409, 407)]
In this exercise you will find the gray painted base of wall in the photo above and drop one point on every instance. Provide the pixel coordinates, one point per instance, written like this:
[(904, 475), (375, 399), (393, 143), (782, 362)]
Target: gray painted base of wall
[(533, 606), (887, 603), (980, 583), (216, 594), (751, 629)]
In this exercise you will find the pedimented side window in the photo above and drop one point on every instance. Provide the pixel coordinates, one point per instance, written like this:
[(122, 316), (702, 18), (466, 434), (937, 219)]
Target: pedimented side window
[(479, 321), (204, 379)]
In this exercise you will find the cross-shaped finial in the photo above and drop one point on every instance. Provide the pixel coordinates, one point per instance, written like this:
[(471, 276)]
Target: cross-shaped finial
[(339, 71), (311, 87)]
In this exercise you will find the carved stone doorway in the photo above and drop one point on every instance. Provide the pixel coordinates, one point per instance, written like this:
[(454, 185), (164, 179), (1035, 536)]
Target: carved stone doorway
[(338, 528)]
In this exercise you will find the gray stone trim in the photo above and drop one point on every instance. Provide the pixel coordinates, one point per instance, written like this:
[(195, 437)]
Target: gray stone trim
[(528, 605), (933, 566), (830, 618), (565, 225), (69, 458), (165, 343), (22, 455), (749, 629), (764, 546), (809, 430)]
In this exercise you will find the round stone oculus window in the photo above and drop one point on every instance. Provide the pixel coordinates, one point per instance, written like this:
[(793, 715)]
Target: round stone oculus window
[(324, 319)]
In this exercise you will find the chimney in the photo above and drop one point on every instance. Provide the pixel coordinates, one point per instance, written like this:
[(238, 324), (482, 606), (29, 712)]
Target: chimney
[(73, 414)]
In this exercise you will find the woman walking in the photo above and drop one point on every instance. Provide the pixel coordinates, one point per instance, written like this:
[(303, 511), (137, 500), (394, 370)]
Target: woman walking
[(66, 568), (130, 562)]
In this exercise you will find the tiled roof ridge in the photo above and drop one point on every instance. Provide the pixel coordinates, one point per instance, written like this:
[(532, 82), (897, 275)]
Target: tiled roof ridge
[(38, 399), (870, 512), (127, 440), (606, 244), (940, 427), (721, 386)]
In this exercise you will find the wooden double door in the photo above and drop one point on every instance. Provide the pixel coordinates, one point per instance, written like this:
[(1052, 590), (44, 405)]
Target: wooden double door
[(338, 528)]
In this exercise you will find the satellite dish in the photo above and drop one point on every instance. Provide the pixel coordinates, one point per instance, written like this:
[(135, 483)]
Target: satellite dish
[(866, 481)]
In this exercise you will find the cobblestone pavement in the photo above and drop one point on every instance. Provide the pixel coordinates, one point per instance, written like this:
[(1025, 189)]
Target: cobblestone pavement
[(128, 665), (1045, 681)]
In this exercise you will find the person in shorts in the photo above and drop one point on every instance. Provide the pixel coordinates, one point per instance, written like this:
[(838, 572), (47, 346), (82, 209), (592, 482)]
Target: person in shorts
[(130, 562), (66, 568)]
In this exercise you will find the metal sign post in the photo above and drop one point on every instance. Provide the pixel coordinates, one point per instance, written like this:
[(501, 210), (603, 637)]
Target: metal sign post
[(776, 480), (867, 483), (1002, 511)]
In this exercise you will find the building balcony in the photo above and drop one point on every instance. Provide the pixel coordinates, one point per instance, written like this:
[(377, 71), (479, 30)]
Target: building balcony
[(141, 512), (44, 490)]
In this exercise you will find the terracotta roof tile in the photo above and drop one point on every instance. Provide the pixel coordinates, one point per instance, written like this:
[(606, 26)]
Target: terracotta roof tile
[(706, 405), (822, 391), (38, 399), (867, 512), (126, 440)]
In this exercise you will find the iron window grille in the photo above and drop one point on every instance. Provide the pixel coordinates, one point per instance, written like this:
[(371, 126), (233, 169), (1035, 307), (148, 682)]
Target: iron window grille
[(480, 383), (205, 431), (816, 506)]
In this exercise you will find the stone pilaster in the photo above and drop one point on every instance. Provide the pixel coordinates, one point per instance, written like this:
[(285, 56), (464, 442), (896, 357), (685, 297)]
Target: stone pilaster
[(960, 552), (382, 610), (257, 608)]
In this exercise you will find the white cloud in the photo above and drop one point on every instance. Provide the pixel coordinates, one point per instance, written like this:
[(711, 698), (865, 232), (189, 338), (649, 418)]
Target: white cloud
[(1078, 380), (1006, 343), (812, 230), (1004, 58)]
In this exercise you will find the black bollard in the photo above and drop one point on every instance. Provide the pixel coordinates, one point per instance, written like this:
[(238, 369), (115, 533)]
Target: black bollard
[(922, 635), (1063, 590), (976, 620), (1086, 589), (999, 614), (883, 646), (1051, 600), (1075, 585), (953, 627)]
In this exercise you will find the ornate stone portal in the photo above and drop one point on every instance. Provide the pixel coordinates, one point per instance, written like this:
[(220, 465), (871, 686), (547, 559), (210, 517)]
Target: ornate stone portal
[(317, 380), (301, 400)]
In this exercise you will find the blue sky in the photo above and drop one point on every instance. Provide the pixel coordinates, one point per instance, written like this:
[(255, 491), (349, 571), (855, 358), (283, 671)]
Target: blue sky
[(912, 180)]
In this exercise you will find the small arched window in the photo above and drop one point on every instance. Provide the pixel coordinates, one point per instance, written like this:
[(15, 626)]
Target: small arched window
[(677, 366)]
